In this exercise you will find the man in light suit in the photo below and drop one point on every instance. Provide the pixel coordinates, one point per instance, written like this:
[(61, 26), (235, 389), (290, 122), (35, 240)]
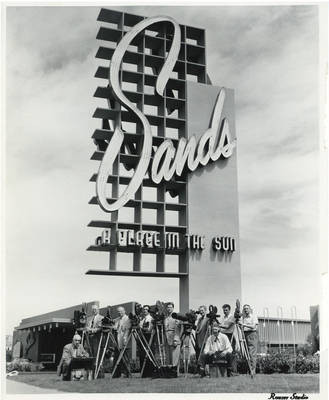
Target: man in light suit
[(122, 326), (94, 328), (200, 333), (70, 351), (173, 332)]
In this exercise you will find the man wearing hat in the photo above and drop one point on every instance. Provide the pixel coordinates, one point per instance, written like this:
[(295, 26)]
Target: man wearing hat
[(71, 350), (217, 346)]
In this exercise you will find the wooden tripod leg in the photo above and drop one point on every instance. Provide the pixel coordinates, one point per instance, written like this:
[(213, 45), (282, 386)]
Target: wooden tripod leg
[(150, 343), (124, 357), (103, 354), (121, 356), (163, 339), (247, 355), (160, 346), (97, 356), (244, 349), (204, 342)]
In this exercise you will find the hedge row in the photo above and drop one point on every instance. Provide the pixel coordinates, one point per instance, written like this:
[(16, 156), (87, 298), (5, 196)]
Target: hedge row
[(283, 362)]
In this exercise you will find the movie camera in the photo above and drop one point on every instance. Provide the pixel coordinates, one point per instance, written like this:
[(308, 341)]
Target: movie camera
[(79, 319), (135, 316), (188, 320), (237, 311), (212, 314), (108, 322), (189, 317), (157, 313)]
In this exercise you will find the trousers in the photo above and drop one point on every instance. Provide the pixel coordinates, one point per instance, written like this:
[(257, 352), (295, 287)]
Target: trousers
[(207, 359), (173, 355), (252, 341), (66, 370)]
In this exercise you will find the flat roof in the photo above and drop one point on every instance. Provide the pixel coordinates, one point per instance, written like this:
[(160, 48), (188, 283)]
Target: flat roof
[(47, 321)]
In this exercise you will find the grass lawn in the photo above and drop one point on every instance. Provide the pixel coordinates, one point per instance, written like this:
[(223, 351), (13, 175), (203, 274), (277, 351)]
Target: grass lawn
[(279, 383)]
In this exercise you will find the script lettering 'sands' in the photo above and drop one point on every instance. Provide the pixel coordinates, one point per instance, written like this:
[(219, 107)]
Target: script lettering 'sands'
[(167, 162)]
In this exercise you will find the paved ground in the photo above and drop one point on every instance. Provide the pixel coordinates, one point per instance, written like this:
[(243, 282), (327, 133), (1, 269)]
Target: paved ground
[(14, 387)]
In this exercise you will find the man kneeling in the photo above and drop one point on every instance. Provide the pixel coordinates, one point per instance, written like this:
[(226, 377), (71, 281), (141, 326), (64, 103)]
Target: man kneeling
[(217, 346), (70, 351)]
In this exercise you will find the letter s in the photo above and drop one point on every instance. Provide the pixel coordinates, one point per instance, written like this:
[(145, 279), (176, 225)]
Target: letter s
[(113, 148)]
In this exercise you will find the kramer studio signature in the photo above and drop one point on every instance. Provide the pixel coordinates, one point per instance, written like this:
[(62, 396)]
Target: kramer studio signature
[(294, 396), (216, 142)]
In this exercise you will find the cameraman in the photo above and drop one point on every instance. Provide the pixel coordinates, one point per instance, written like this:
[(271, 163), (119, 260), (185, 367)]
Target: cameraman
[(146, 325), (227, 323), (70, 351), (201, 332), (173, 331), (122, 326), (94, 327), (249, 324), (217, 347)]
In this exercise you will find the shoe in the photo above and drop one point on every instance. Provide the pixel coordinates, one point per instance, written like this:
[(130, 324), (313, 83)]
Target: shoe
[(202, 373)]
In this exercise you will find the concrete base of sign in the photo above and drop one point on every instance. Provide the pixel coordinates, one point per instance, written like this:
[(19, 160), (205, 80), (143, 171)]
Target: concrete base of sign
[(214, 276)]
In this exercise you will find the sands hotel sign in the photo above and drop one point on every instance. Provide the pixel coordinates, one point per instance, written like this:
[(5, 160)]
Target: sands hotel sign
[(167, 152)]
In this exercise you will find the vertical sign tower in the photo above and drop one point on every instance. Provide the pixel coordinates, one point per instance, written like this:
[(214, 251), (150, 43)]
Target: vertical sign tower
[(189, 183)]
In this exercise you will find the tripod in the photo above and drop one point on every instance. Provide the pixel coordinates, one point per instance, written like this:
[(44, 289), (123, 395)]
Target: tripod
[(208, 333), (187, 338), (108, 334), (140, 338), (244, 351), (158, 332), (159, 328), (85, 340)]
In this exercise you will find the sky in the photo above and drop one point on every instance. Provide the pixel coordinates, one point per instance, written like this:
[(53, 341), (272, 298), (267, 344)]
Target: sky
[(267, 54)]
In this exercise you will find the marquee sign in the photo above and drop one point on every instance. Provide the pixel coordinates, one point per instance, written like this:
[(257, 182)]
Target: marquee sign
[(152, 139)]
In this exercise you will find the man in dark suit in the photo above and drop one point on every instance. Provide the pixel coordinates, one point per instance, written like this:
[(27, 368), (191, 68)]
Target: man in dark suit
[(70, 351), (200, 333)]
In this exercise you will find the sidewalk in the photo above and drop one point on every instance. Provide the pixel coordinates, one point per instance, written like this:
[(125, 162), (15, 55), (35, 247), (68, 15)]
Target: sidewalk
[(14, 387)]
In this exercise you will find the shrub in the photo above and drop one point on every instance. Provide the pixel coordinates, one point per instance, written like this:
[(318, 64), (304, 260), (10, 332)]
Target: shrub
[(275, 362), (285, 362), (23, 364), (307, 364)]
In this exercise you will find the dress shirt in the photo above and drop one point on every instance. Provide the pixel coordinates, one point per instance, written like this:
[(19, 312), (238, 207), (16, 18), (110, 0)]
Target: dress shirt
[(250, 320), (219, 343), (146, 323), (225, 323)]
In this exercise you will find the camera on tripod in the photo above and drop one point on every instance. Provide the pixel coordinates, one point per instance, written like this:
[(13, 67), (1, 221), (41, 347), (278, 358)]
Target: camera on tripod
[(189, 317), (237, 311), (157, 313), (79, 319), (107, 322), (135, 316), (188, 320), (212, 314)]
